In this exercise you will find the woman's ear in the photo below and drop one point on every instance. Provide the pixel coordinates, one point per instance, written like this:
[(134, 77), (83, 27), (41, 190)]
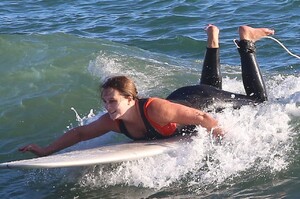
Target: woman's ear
[(130, 99)]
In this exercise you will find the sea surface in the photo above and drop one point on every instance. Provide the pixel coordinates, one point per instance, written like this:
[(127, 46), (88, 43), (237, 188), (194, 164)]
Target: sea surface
[(54, 54)]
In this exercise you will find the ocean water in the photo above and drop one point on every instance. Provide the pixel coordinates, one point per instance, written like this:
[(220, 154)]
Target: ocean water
[(54, 54)]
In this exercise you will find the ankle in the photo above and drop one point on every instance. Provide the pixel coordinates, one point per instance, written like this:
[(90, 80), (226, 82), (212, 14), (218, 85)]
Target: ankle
[(245, 46), (212, 36), (244, 32), (213, 44)]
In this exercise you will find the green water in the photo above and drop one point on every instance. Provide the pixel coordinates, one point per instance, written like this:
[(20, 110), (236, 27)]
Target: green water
[(54, 54)]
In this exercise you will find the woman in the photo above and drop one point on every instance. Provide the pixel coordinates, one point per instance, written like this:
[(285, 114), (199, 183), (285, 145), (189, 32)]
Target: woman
[(156, 118)]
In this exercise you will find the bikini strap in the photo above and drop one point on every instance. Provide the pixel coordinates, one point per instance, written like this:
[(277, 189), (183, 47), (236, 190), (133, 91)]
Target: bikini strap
[(151, 131), (124, 130)]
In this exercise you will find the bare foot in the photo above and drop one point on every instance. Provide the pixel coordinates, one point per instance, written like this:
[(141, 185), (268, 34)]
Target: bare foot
[(212, 32), (254, 34)]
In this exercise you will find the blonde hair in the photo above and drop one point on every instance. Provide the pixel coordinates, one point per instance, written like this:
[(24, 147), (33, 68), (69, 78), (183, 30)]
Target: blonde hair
[(123, 84)]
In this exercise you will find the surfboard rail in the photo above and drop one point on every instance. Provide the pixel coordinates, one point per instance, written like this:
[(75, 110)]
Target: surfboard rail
[(101, 155)]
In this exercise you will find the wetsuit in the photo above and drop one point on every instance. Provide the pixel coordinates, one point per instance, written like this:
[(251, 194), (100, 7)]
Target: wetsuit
[(209, 93)]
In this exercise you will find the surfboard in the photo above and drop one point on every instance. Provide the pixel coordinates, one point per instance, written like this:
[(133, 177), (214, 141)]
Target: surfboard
[(102, 155)]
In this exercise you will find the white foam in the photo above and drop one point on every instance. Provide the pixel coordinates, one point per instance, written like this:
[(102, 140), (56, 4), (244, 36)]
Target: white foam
[(258, 138), (149, 75)]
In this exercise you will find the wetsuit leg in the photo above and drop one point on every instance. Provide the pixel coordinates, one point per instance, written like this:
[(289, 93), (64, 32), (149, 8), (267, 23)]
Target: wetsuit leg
[(209, 94), (251, 74), (211, 74)]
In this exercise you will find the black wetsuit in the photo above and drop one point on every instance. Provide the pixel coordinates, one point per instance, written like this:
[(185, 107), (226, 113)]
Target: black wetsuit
[(209, 92)]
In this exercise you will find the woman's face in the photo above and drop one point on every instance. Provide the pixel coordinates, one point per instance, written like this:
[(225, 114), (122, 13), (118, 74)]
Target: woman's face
[(115, 103)]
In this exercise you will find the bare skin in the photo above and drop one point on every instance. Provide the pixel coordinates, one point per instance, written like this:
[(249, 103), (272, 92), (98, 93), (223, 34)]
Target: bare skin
[(245, 33), (212, 36), (254, 34), (119, 107), (160, 111)]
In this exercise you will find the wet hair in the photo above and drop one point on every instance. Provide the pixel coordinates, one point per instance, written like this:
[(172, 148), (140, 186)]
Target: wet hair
[(123, 84)]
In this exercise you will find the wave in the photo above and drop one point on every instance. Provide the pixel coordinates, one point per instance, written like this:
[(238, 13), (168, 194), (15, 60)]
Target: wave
[(261, 141), (57, 69)]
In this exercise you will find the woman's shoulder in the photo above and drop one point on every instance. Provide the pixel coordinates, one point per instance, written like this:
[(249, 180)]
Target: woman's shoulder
[(154, 104), (156, 100), (106, 122)]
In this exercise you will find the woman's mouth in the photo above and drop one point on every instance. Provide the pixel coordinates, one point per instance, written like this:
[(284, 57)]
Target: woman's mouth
[(111, 113)]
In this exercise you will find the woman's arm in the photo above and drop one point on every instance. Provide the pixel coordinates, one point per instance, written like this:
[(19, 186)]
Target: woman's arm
[(164, 112), (97, 128)]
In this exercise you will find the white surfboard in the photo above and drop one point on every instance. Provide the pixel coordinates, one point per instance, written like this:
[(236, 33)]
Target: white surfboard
[(102, 155)]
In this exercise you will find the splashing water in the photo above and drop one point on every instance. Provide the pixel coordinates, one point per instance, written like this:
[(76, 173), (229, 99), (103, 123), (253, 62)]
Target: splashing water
[(83, 120), (255, 140), (259, 140)]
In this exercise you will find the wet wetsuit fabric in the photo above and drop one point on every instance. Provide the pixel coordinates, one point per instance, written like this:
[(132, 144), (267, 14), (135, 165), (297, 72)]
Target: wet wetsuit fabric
[(251, 74), (211, 73), (208, 94)]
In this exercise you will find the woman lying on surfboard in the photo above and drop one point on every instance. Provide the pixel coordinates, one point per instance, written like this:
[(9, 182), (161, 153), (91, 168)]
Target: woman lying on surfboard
[(155, 118)]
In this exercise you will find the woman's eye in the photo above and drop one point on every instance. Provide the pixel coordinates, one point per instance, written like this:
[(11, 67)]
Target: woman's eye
[(112, 101)]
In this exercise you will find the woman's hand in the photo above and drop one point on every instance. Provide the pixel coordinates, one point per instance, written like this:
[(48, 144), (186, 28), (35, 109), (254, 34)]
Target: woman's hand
[(35, 149), (217, 132), (81, 133)]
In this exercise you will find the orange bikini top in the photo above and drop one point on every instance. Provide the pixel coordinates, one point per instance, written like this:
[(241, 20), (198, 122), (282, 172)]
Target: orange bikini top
[(153, 130), (166, 130)]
